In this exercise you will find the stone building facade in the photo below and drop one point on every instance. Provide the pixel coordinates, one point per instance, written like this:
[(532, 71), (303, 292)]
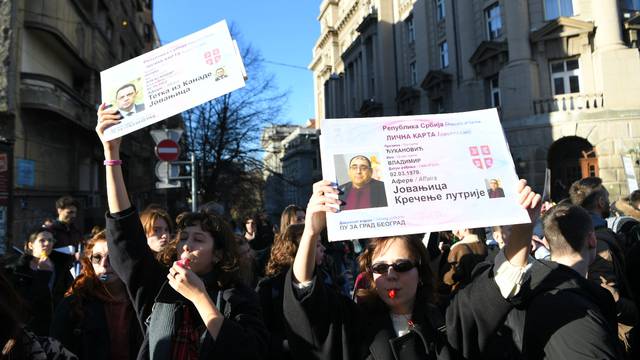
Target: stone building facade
[(291, 166), (564, 74), (51, 56)]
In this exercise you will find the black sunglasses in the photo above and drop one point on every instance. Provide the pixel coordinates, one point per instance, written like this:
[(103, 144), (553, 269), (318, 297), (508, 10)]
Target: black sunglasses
[(399, 266)]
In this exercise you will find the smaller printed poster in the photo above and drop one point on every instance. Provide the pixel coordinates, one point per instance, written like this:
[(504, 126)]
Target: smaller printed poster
[(418, 174), (173, 78)]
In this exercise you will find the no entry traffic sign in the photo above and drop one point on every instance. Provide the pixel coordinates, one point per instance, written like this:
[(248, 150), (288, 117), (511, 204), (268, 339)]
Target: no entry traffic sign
[(167, 150)]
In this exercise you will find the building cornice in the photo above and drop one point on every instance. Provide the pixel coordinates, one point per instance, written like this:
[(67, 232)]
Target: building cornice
[(324, 6), (368, 21), (348, 15), (331, 32), (406, 5), (488, 49), (560, 28)]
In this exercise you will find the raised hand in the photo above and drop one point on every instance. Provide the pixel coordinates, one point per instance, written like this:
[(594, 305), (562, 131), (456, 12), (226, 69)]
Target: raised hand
[(108, 117), (529, 200), (518, 244), (323, 199)]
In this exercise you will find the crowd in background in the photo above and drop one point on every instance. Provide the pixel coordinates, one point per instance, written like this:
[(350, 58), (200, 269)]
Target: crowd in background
[(151, 285)]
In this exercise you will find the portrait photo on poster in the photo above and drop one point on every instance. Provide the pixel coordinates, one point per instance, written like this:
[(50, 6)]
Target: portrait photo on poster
[(360, 181), (494, 188), (129, 98)]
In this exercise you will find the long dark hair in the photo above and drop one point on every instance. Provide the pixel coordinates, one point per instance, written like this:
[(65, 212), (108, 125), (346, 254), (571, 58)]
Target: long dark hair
[(227, 269), (87, 285), (419, 255), (284, 249)]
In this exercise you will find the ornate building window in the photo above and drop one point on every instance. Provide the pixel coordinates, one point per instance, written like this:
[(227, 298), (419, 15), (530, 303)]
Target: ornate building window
[(494, 91), (411, 31), (413, 74), (444, 55), (440, 12), (553, 9), (565, 76), (494, 21)]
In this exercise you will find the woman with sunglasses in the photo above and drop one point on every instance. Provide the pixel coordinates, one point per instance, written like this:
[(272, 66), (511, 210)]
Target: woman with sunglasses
[(396, 319), (196, 309), (96, 320)]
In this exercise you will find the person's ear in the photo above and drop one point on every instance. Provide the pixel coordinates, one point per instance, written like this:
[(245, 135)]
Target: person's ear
[(30, 245)]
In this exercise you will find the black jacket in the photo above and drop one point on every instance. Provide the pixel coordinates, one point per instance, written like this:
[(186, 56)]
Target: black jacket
[(558, 314), (243, 334), (64, 235), (377, 195), (271, 294), (89, 337), (326, 325), (33, 287)]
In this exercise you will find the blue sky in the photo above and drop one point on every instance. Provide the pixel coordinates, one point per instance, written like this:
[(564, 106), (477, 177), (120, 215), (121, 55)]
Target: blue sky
[(284, 31)]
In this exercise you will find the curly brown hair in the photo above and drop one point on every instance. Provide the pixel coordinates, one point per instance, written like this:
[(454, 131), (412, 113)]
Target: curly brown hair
[(284, 249), (227, 269), (420, 257), (87, 285)]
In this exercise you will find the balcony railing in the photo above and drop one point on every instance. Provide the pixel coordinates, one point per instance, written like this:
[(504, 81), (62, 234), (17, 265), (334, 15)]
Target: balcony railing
[(569, 102), (45, 92)]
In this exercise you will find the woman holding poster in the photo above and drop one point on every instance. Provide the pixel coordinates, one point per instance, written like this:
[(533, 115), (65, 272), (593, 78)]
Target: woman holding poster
[(397, 319), (198, 308)]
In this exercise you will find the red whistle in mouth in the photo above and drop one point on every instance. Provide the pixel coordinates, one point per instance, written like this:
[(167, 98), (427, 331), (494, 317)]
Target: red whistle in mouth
[(184, 263), (392, 294)]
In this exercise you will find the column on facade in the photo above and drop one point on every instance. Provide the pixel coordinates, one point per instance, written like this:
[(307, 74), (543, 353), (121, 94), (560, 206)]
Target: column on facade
[(615, 65), (607, 20), (471, 89), (519, 80), (517, 22)]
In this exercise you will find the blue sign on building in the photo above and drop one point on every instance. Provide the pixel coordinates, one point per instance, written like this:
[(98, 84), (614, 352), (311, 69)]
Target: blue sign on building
[(26, 174)]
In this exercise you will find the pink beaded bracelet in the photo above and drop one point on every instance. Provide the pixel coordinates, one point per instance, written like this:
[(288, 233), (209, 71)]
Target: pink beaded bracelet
[(112, 162)]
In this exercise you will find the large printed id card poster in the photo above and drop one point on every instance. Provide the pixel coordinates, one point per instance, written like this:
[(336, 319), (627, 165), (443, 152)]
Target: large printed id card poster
[(173, 78), (415, 174)]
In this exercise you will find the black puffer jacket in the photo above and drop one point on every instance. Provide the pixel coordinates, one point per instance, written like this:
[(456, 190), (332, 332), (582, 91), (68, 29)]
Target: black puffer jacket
[(33, 287)]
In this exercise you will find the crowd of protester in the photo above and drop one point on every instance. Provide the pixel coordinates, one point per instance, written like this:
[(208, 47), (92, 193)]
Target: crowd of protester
[(151, 286)]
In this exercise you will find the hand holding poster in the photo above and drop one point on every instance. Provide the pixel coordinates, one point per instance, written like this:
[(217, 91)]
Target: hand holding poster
[(413, 174), (173, 78)]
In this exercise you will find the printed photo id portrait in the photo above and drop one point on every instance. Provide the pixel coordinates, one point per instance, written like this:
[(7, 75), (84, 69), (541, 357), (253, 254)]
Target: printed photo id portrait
[(494, 188), (129, 98), (360, 181)]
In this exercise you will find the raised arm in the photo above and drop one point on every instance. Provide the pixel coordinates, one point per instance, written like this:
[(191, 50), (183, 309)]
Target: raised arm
[(324, 195), (129, 254), (518, 244), (116, 190)]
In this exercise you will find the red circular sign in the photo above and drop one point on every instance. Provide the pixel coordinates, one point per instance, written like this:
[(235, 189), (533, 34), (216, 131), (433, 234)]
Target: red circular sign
[(167, 150)]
